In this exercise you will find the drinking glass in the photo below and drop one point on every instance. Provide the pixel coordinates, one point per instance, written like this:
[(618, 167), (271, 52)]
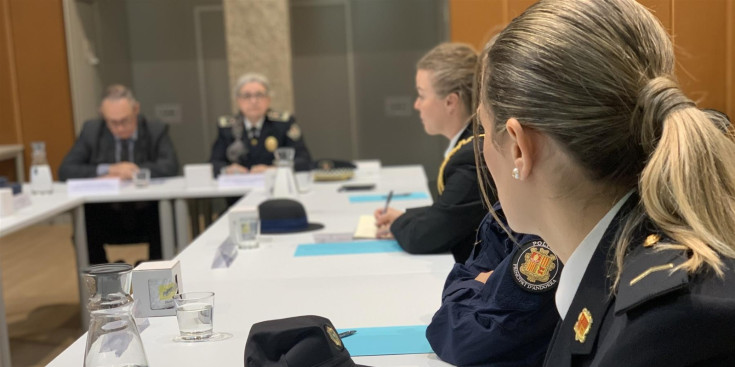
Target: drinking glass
[(142, 177), (194, 312)]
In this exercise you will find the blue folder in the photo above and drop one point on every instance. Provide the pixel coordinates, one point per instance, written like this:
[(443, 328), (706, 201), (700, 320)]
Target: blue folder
[(376, 341), (347, 248), (382, 198)]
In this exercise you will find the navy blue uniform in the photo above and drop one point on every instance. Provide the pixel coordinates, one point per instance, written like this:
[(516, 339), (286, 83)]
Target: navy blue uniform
[(657, 317), (278, 130), (509, 320), (449, 223)]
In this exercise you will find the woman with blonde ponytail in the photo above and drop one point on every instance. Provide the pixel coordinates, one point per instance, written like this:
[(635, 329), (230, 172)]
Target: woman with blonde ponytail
[(594, 147)]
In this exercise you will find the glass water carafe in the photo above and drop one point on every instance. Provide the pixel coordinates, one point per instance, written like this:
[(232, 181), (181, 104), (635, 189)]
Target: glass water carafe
[(113, 338), (41, 179), (284, 185)]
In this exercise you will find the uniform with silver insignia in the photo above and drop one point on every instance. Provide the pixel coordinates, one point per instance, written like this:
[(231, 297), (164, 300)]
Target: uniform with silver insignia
[(250, 148)]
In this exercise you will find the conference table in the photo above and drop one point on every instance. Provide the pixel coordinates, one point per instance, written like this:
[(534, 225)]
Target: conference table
[(353, 290), (174, 224)]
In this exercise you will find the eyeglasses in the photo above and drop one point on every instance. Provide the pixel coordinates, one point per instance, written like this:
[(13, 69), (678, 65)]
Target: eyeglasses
[(122, 122), (247, 96)]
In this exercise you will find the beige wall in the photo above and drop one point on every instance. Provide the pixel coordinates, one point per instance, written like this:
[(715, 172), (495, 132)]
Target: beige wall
[(258, 40)]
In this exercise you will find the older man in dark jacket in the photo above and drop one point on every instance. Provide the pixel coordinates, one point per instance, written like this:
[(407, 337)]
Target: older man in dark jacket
[(118, 145)]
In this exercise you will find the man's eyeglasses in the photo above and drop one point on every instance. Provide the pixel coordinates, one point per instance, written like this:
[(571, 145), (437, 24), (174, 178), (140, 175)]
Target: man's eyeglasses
[(249, 96), (122, 122)]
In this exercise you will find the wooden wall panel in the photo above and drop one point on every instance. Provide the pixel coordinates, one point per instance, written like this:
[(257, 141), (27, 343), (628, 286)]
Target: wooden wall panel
[(9, 124), (730, 93), (703, 33), (701, 50), (661, 9), (43, 90), (475, 21), (516, 7)]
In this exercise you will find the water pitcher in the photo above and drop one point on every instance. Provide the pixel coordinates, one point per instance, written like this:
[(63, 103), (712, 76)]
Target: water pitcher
[(284, 185), (113, 338), (41, 179)]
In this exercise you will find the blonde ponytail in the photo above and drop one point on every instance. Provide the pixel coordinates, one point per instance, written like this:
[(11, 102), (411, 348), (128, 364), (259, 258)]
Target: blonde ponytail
[(688, 188)]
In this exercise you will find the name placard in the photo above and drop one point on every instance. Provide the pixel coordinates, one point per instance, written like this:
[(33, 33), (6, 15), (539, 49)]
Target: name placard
[(251, 180), (93, 186)]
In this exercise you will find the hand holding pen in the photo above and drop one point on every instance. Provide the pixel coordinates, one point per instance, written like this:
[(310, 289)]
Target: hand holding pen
[(385, 217)]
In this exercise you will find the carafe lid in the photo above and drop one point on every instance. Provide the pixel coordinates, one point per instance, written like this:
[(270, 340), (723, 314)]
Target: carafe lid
[(107, 279)]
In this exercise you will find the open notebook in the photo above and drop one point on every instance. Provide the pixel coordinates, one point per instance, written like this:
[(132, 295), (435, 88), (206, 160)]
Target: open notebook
[(366, 228)]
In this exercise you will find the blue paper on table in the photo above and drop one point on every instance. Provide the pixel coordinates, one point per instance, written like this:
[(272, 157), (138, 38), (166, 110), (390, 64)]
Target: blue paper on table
[(347, 248), (376, 341), (383, 198)]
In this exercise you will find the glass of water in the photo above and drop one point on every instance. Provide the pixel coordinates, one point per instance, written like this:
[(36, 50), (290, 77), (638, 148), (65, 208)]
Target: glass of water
[(142, 177), (194, 314)]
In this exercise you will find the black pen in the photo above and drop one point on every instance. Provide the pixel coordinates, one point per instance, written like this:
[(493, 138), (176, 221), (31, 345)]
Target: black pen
[(387, 202), (347, 333)]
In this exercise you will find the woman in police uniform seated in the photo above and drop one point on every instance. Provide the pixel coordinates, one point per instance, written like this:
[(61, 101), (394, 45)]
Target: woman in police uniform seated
[(594, 147), (444, 79), (247, 141), (498, 307)]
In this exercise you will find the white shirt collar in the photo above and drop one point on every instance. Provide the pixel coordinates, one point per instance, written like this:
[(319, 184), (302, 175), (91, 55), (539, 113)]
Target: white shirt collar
[(258, 125), (454, 141), (576, 266)]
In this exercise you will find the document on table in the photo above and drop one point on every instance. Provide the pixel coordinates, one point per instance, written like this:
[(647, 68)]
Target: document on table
[(366, 228)]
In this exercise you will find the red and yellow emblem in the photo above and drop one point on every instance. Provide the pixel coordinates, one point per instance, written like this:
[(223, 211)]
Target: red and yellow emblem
[(538, 264), (583, 325)]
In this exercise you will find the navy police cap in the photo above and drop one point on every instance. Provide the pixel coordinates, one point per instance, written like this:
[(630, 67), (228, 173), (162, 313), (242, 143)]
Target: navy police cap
[(302, 341), (284, 216)]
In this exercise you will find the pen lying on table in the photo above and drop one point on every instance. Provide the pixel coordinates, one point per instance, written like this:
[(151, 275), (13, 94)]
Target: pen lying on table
[(399, 195), (347, 333)]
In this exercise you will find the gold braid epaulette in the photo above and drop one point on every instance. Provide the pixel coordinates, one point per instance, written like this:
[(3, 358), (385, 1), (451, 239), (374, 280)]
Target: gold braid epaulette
[(440, 179)]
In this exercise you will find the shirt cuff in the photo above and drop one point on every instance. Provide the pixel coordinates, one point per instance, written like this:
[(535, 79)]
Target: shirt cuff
[(103, 169)]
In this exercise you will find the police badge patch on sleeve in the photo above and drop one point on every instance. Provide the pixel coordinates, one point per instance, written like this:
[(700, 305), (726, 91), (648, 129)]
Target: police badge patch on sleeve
[(294, 132), (535, 267)]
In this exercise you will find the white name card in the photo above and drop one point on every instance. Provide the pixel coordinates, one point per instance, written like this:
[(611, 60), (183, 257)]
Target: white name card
[(93, 186), (198, 176), (252, 180), (368, 166)]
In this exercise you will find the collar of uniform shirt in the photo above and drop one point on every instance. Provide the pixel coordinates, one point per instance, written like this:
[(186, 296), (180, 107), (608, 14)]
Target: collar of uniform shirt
[(258, 125), (576, 266), (454, 140)]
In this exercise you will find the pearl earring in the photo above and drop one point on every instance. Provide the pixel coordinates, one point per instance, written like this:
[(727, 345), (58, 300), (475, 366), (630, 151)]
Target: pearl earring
[(516, 174)]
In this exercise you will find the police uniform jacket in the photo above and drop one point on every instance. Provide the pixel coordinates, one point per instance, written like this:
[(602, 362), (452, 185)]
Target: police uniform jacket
[(509, 320), (657, 317), (278, 130), (95, 145), (450, 223)]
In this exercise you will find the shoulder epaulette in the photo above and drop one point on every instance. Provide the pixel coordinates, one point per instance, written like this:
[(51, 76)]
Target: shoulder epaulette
[(279, 116), (440, 178), (226, 121), (649, 271)]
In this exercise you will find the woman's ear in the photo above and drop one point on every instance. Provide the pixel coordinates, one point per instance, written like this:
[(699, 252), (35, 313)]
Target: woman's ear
[(451, 101), (523, 147)]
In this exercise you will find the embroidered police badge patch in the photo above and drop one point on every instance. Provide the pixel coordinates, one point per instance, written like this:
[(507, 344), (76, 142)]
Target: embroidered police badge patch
[(294, 132), (536, 267), (334, 337)]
